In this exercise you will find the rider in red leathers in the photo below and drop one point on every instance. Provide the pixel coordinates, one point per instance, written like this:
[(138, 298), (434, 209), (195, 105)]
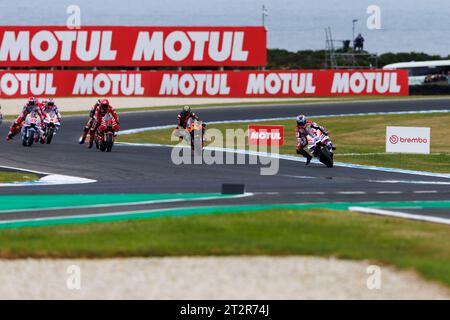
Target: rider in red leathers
[(31, 106), (304, 128), (100, 112), (90, 122)]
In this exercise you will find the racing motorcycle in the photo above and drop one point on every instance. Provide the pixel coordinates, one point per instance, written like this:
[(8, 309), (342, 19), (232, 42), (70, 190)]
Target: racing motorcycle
[(320, 147), (106, 133), (51, 126), (31, 129), (197, 135), (194, 134)]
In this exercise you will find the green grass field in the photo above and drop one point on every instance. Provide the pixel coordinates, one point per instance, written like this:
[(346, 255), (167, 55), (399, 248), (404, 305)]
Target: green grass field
[(8, 177), (424, 247), (362, 135)]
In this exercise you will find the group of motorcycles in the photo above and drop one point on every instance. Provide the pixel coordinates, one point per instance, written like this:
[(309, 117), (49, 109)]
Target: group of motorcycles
[(35, 130), (319, 145)]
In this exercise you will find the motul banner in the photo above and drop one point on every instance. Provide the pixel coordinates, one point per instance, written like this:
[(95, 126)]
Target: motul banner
[(132, 46), (265, 135), (276, 83)]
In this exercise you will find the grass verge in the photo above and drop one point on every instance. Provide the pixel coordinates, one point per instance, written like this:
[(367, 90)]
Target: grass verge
[(424, 247), (359, 136), (9, 177)]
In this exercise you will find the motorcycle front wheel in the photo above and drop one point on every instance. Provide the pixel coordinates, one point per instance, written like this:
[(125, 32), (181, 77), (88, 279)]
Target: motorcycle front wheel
[(49, 135), (109, 142), (325, 157), (30, 137)]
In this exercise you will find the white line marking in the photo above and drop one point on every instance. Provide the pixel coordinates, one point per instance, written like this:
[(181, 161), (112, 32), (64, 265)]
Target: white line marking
[(382, 153), (297, 177), (88, 215), (389, 192), (310, 192), (351, 192), (425, 191), (394, 170), (400, 215), (411, 182), (136, 203)]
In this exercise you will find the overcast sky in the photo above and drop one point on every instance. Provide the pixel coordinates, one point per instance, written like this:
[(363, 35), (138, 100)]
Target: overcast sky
[(406, 25)]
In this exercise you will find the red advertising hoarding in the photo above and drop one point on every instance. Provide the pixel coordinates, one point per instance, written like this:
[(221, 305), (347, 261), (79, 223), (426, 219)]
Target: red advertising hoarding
[(274, 83), (33, 46)]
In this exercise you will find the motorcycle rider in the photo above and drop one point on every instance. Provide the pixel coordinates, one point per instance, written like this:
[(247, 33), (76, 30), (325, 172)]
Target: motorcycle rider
[(47, 107), (50, 106), (185, 115), (32, 105), (90, 122), (186, 118), (100, 112), (304, 128)]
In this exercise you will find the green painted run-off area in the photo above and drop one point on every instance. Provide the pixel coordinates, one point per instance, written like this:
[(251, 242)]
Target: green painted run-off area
[(36, 202)]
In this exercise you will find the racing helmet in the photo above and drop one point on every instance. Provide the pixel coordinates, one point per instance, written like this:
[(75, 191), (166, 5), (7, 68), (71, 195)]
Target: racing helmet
[(51, 102), (186, 111), (301, 120), (32, 101), (104, 103)]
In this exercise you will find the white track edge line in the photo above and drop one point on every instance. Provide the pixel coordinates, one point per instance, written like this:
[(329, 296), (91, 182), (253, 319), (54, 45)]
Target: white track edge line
[(398, 214)]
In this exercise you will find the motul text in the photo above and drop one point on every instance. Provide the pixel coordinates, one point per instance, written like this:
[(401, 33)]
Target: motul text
[(132, 46), (275, 83)]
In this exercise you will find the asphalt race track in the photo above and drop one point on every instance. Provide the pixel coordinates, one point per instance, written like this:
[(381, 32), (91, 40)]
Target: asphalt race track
[(131, 169)]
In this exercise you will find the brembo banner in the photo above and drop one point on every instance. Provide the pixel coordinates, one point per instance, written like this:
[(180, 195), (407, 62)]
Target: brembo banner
[(275, 83), (23, 46)]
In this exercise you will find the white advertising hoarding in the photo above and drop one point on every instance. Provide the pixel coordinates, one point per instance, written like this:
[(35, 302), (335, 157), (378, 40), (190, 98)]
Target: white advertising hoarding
[(408, 140)]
